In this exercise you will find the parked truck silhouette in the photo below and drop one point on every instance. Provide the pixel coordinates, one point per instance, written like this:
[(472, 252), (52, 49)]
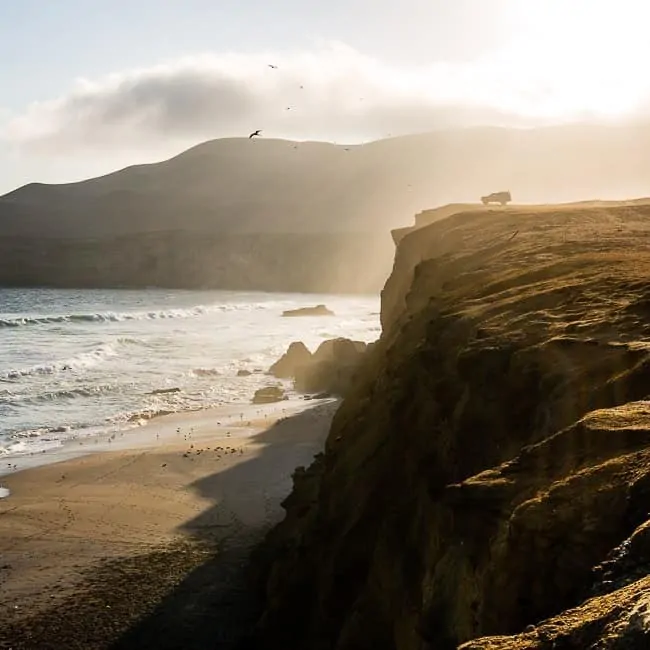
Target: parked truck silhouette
[(497, 197)]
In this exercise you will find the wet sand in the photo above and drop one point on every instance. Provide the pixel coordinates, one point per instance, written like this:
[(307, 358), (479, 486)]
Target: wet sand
[(96, 551)]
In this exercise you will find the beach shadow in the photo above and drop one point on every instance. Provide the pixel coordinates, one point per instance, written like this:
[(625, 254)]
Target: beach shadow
[(214, 605)]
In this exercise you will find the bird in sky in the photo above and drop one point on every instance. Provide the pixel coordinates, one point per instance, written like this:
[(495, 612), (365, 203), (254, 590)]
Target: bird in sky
[(254, 133), (273, 67)]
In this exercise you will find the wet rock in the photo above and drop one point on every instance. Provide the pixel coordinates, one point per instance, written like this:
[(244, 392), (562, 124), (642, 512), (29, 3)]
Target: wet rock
[(244, 373), (333, 367), (165, 391), (318, 310), (269, 394), (296, 356), (340, 350)]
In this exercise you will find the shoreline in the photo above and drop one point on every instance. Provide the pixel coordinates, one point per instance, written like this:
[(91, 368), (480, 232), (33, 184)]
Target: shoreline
[(83, 535), (235, 416)]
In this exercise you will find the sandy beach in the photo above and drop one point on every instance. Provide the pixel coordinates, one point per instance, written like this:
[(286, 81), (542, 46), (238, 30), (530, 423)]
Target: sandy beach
[(143, 541)]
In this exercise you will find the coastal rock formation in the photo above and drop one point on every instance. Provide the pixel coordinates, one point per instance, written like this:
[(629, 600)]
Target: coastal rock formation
[(268, 394), (287, 365), (331, 369), (318, 310), (486, 480), (341, 350), (165, 391)]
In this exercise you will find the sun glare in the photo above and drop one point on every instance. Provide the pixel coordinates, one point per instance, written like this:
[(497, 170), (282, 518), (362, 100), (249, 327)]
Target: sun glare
[(579, 56)]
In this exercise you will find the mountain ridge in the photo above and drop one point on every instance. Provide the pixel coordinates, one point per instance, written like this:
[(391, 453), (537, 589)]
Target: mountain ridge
[(235, 187)]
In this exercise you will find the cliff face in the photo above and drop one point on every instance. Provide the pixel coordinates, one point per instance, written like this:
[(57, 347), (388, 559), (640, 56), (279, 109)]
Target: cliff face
[(491, 469)]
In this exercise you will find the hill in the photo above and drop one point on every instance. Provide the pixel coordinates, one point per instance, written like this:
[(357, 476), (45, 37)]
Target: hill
[(487, 480), (238, 191)]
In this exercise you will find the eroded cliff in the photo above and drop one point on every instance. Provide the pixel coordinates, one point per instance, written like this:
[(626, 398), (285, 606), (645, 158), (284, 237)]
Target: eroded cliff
[(491, 468)]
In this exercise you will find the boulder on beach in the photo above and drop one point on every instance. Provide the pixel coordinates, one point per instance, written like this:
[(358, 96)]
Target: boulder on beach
[(244, 373), (268, 394), (318, 310), (287, 365)]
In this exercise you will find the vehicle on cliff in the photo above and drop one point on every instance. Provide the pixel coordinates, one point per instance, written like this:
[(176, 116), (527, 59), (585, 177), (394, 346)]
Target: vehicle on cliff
[(497, 197)]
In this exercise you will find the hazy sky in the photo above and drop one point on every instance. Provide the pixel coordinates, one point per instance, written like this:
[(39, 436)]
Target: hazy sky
[(88, 86)]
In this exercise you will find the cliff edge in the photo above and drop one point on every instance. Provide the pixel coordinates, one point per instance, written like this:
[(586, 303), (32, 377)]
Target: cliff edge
[(487, 480)]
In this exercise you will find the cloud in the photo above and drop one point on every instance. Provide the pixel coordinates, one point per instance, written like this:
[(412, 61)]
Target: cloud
[(331, 92)]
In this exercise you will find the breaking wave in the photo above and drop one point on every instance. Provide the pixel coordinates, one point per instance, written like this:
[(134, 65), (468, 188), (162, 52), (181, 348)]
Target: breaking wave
[(81, 361), (206, 372), (76, 365), (118, 317), (26, 399)]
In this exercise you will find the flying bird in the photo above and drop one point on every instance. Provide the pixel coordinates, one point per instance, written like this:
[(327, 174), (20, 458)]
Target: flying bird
[(254, 133), (274, 67)]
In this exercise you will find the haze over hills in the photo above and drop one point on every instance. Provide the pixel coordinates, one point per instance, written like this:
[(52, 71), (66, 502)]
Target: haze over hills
[(240, 213)]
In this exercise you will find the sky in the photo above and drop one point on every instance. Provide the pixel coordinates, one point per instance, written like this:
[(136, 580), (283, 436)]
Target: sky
[(91, 86)]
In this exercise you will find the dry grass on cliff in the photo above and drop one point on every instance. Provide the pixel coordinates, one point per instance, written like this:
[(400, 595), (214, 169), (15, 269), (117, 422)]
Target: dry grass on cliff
[(496, 450), (521, 268)]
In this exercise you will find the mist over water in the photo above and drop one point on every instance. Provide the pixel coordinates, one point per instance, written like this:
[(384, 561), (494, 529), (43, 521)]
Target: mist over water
[(76, 363)]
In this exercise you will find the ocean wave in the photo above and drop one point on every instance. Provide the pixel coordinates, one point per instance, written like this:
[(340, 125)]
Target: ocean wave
[(80, 361), (117, 317), (149, 414), (38, 440), (206, 372), (26, 399)]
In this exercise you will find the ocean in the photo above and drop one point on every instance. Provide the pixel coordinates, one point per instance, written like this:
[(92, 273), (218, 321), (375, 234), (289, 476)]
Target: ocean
[(78, 363)]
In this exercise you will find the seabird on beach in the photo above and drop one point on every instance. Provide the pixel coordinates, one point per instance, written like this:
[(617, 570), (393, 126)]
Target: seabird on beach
[(254, 133)]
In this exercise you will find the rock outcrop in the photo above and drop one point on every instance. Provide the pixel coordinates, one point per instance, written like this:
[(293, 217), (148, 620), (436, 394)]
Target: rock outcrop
[(331, 369), (296, 356), (268, 394), (318, 310), (165, 391), (486, 480)]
